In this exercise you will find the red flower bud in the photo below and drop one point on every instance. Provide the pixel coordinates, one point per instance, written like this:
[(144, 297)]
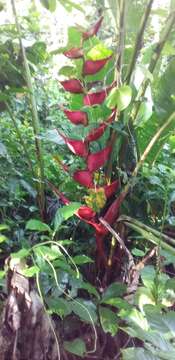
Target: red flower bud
[(96, 160), (95, 134), (78, 147), (74, 53), (97, 97), (93, 30), (73, 85), (77, 117), (85, 213), (84, 177), (92, 67)]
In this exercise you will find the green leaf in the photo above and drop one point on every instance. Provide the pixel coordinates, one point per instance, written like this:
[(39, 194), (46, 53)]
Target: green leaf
[(118, 303), (4, 227), (119, 97), (137, 354), (49, 4), (31, 271), (114, 290), (148, 276), (68, 71), (138, 252), (58, 306), (86, 312), (99, 52), (20, 254), (108, 319), (76, 347), (3, 238), (2, 274), (82, 259), (69, 5), (37, 225), (65, 213), (47, 252)]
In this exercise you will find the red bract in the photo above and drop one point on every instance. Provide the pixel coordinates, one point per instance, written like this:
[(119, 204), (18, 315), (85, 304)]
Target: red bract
[(92, 67), (77, 117), (73, 85), (95, 134), (97, 97), (78, 147), (111, 189), (93, 30), (84, 177), (85, 213), (96, 160), (113, 211), (74, 53)]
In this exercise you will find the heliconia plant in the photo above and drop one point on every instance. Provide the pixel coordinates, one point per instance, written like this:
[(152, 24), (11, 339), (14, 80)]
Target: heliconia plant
[(97, 193)]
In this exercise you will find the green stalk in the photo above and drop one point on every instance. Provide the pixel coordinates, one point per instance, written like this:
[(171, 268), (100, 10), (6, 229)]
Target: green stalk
[(150, 237), (23, 145), (139, 41), (120, 51), (35, 119), (155, 138), (154, 59), (155, 232)]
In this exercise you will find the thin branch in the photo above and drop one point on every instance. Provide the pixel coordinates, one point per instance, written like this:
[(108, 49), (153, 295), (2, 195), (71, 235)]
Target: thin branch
[(153, 62), (120, 52), (35, 119), (139, 41), (152, 143), (116, 236)]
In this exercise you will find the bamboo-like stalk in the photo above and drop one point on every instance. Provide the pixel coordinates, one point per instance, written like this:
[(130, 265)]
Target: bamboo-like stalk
[(120, 52), (143, 157), (35, 120), (153, 62), (147, 228), (150, 237), (139, 40), (18, 133)]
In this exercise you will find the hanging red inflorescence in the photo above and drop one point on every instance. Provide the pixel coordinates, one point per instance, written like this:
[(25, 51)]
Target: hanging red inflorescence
[(94, 161)]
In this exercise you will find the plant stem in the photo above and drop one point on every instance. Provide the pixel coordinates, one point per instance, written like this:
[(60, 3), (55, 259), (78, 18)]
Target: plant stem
[(120, 51), (148, 228), (145, 154), (35, 120), (139, 41), (23, 145), (153, 62)]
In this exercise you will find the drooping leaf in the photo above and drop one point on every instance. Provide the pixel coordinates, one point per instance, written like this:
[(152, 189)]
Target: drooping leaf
[(37, 225), (65, 213), (82, 259), (108, 319), (119, 97), (49, 4), (76, 347), (31, 271), (114, 290)]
